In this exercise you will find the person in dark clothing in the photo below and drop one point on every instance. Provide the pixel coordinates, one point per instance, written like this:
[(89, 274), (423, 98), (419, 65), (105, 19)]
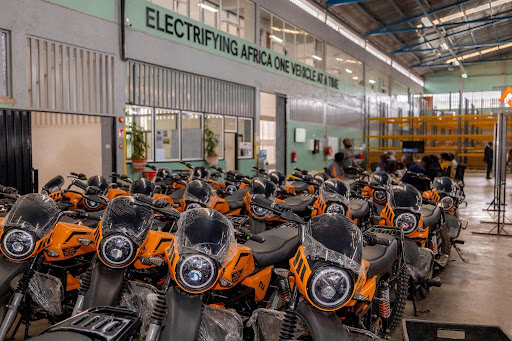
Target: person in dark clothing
[(411, 166), (488, 156), (383, 164), (431, 167), (335, 168)]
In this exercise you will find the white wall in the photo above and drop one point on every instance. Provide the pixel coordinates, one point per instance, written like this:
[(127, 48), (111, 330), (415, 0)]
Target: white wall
[(64, 143)]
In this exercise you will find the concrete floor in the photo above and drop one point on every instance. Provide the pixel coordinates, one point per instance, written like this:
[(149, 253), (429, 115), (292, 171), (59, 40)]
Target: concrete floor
[(479, 291)]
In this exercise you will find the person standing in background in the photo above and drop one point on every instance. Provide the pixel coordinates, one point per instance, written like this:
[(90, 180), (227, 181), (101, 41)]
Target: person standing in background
[(488, 157), (446, 163), (335, 168), (348, 156)]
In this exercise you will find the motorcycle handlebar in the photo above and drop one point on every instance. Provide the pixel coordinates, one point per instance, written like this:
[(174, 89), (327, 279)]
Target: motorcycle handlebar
[(371, 240), (79, 184)]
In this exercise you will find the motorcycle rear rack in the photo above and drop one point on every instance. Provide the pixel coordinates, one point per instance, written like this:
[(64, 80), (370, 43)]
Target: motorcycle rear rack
[(392, 231), (102, 323), (239, 220)]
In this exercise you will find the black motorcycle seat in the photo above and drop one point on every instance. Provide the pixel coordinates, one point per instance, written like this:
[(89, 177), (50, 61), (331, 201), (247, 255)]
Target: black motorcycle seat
[(381, 257), (299, 203), (236, 200), (359, 207), (352, 183), (279, 246), (431, 214), (61, 336), (300, 186), (177, 195)]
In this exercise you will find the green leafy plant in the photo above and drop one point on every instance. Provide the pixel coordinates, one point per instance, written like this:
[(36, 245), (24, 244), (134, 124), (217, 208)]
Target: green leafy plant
[(211, 141), (138, 141)]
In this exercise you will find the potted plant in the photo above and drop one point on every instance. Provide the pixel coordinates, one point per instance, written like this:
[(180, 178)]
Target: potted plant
[(139, 146), (211, 141)]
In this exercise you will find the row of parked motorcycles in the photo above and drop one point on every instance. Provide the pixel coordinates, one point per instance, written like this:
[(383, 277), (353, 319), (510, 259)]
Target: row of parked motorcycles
[(209, 254)]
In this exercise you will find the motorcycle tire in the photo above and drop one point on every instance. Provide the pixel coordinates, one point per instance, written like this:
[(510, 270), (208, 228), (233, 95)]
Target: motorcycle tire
[(446, 246), (397, 309), (421, 289)]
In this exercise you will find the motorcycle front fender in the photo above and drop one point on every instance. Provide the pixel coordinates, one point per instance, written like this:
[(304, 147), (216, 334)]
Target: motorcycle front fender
[(323, 325), (106, 284), (453, 225), (183, 316), (9, 270)]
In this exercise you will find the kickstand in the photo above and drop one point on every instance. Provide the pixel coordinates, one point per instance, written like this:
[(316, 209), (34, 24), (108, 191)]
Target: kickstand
[(459, 252), (16, 329), (414, 305)]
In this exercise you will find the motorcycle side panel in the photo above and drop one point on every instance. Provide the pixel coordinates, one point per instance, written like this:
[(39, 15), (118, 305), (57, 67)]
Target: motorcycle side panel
[(183, 316), (105, 286), (9, 270), (324, 326)]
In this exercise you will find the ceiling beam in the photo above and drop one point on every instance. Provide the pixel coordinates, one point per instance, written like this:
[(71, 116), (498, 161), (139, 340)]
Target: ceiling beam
[(424, 65), (455, 47), (447, 24), (419, 16), (342, 2)]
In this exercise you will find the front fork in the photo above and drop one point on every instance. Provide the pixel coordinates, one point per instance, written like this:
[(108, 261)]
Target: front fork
[(16, 300), (158, 314)]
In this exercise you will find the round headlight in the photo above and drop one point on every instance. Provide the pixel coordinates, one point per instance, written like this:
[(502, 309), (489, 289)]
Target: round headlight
[(447, 203), (92, 205), (231, 189), (18, 244), (259, 211), (117, 250), (380, 196), (193, 205), (336, 209), (330, 288), (196, 273), (406, 221)]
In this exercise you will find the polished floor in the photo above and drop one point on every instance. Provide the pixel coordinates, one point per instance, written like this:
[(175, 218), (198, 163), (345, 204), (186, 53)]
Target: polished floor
[(479, 291)]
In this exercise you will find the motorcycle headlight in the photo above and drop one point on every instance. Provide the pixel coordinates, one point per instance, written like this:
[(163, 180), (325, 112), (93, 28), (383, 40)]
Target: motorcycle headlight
[(336, 209), (380, 195), (18, 244), (193, 205), (330, 287), (92, 205), (406, 221), (231, 189), (196, 272), (117, 250), (447, 203), (259, 211)]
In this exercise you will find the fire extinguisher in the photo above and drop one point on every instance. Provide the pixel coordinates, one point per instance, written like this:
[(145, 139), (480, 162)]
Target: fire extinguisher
[(294, 156)]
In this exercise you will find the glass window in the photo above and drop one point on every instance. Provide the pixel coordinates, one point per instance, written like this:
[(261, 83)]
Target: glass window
[(399, 92), (246, 12), (192, 136), (210, 12), (230, 124), (214, 123), (265, 28), (377, 81), (181, 7), (195, 9), (245, 138), (310, 50), (164, 3), (277, 36), (142, 117), (300, 48), (167, 135), (5, 68), (289, 40), (343, 65)]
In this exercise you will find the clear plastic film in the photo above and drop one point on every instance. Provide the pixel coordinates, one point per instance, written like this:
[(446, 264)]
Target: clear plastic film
[(335, 238), (46, 291), (422, 269), (139, 297), (220, 325), (33, 212), (330, 196), (206, 231)]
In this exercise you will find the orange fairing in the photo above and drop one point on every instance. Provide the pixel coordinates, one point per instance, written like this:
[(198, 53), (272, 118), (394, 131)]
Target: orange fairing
[(70, 240), (432, 195), (115, 192), (259, 282), (155, 246), (388, 215), (158, 196), (56, 196)]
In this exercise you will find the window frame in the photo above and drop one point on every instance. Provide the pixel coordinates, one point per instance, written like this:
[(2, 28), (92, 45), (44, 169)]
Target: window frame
[(221, 136), (202, 135), (236, 124), (150, 158), (252, 137), (8, 61), (178, 113)]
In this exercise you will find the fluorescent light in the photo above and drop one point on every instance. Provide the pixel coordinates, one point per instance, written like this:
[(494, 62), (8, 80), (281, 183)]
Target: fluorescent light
[(348, 70), (355, 78), (340, 59), (426, 21), (372, 81), (208, 8), (354, 61), (316, 57), (444, 46), (464, 75), (478, 53), (469, 11), (273, 37)]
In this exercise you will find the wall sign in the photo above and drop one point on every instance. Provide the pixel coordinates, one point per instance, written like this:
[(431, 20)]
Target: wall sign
[(158, 21)]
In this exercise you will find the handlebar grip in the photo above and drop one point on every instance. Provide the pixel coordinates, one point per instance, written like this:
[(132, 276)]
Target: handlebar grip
[(382, 241), (79, 184), (256, 238)]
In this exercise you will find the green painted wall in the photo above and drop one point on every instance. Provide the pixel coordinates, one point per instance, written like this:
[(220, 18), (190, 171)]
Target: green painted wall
[(305, 158), (99, 8)]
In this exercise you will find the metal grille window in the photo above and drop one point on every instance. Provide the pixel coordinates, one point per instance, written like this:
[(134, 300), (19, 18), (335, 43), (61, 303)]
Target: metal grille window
[(69, 78), (5, 64)]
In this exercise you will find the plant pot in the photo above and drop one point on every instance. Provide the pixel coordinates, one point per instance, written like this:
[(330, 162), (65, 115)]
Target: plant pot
[(139, 165), (212, 160)]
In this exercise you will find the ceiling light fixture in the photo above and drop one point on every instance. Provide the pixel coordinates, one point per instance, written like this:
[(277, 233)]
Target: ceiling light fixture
[(461, 14), (372, 81), (316, 57), (464, 75), (355, 78), (444, 46), (273, 37), (348, 70), (340, 59), (478, 53), (208, 8)]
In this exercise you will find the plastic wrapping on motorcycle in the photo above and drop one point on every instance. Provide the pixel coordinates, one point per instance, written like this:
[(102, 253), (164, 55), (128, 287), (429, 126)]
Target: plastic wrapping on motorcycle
[(417, 330), (139, 297), (46, 291), (324, 325), (419, 261), (106, 285), (220, 325), (206, 231), (9, 270), (100, 323), (266, 324), (183, 316), (454, 225)]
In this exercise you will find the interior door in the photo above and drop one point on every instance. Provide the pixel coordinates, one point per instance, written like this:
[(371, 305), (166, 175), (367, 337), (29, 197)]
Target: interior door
[(230, 150)]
